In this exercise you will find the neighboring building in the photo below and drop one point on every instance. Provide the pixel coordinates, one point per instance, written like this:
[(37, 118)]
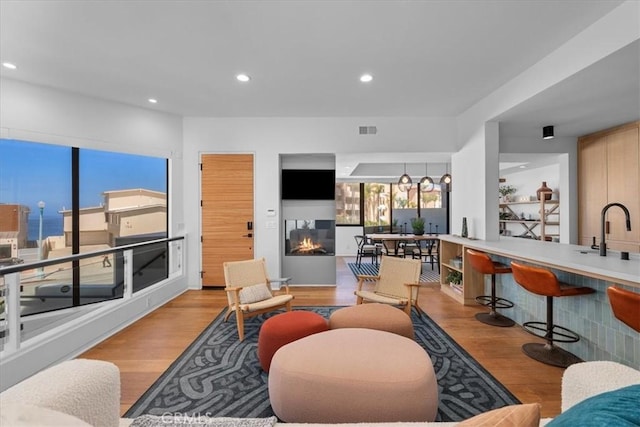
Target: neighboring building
[(123, 213), (8, 244), (14, 227)]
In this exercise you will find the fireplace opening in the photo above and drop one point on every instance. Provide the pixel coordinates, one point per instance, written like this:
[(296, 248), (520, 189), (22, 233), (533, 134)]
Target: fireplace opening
[(308, 237)]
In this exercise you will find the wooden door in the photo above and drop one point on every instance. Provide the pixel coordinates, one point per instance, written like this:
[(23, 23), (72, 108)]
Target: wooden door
[(623, 178), (227, 213), (592, 187)]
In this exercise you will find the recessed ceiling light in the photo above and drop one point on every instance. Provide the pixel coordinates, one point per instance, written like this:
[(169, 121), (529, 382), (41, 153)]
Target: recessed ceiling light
[(522, 167), (366, 78), (9, 65), (153, 100), (243, 78)]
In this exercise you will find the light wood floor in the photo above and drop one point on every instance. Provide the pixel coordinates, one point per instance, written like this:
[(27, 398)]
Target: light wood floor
[(146, 349)]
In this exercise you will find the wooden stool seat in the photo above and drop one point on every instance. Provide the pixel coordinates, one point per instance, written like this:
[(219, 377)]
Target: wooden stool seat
[(626, 306), (482, 263), (543, 282)]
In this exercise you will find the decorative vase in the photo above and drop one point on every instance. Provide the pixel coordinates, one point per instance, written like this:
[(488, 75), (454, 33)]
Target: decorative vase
[(546, 190), (465, 232)]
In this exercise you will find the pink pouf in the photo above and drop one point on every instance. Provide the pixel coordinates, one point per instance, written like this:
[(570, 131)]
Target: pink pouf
[(353, 375), (382, 317)]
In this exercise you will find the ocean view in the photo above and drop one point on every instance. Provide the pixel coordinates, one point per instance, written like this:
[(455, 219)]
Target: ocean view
[(51, 226)]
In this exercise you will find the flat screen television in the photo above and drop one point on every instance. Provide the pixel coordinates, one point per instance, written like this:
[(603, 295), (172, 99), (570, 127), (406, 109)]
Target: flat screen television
[(308, 184)]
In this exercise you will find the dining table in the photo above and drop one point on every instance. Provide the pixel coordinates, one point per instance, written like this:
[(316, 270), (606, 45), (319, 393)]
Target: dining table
[(392, 241)]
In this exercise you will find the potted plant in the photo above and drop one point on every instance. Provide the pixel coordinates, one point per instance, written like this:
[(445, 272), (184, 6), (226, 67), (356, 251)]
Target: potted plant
[(506, 191), (418, 226), (454, 277)]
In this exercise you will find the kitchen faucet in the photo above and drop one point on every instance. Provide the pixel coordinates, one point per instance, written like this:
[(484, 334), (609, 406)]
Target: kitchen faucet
[(603, 245)]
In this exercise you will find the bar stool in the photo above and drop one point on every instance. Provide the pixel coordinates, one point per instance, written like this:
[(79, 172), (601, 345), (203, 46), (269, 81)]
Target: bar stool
[(626, 306), (482, 263), (543, 282)]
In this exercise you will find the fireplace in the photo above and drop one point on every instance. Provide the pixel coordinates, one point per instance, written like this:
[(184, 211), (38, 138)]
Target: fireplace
[(309, 237)]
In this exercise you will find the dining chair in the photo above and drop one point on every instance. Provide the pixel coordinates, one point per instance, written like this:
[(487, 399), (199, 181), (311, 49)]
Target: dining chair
[(365, 249), (392, 248)]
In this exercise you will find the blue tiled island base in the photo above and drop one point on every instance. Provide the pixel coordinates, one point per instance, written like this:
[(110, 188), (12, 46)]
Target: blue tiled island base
[(602, 336)]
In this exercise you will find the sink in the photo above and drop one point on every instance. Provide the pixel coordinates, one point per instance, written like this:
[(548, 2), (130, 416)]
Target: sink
[(588, 251)]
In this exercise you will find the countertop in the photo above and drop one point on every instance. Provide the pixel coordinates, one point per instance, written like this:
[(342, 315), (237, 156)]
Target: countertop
[(561, 256)]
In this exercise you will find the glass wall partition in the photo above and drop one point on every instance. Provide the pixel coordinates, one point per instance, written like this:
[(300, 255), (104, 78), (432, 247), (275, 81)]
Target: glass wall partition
[(56, 201)]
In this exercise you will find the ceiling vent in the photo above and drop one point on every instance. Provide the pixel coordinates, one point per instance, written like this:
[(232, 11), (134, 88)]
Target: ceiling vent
[(368, 130)]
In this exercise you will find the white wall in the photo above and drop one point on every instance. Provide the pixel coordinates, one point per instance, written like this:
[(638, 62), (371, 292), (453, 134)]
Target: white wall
[(612, 32), (345, 241), (270, 137), (40, 114)]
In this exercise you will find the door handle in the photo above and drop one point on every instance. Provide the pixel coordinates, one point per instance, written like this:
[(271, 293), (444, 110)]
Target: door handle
[(248, 235)]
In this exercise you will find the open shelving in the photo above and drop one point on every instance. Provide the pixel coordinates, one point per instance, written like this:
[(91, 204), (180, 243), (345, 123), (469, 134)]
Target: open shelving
[(472, 283), (549, 212)]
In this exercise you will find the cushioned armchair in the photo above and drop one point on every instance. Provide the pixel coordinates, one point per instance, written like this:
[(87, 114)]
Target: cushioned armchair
[(249, 291), (397, 283)]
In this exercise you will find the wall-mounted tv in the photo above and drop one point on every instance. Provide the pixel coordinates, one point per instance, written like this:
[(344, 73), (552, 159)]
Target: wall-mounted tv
[(308, 184)]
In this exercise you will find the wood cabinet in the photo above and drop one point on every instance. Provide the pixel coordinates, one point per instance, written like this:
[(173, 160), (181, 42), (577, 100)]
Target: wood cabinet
[(609, 171), (472, 281)]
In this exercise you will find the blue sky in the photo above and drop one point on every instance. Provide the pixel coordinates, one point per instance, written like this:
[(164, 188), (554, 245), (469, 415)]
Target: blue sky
[(30, 172)]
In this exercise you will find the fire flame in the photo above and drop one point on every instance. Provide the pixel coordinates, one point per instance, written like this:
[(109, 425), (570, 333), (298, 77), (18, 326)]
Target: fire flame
[(308, 245)]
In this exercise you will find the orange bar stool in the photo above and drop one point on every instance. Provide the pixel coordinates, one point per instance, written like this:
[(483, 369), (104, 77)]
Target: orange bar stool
[(482, 263), (626, 306), (543, 282)]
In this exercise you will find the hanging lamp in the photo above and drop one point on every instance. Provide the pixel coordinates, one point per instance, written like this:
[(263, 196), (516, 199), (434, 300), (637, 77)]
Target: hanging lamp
[(446, 179), (426, 183), (405, 182)]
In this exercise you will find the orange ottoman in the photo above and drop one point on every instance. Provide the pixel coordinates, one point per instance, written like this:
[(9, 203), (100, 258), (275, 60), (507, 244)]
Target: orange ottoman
[(284, 328), (382, 317)]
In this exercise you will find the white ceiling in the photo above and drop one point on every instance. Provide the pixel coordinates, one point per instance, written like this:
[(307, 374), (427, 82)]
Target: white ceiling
[(428, 58)]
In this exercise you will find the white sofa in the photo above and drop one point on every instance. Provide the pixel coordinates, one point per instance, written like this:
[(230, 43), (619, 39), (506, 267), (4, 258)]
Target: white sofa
[(84, 392)]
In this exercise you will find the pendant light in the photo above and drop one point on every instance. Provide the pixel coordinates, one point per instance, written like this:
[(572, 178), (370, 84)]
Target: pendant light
[(404, 183), (446, 179), (426, 183)]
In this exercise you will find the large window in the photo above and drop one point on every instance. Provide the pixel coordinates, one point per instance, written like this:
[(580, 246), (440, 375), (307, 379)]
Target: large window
[(377, 211), (56, 201), (431, 199), (348, 203), (381, 207)]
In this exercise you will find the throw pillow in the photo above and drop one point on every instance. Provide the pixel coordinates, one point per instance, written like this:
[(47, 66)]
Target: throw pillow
[(171, 420), (255, 293), (510, 416), (620, 408)]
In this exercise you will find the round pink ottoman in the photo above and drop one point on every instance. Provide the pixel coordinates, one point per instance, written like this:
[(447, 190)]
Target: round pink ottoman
[(284, 328), (382, 317), (353, 375)]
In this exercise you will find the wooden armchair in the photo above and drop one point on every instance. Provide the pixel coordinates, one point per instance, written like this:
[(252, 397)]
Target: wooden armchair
[(249, 291), (397, 283)]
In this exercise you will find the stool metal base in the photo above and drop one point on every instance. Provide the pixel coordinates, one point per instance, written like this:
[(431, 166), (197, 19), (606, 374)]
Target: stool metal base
[(550, 354), (495, 319), (498, 302)]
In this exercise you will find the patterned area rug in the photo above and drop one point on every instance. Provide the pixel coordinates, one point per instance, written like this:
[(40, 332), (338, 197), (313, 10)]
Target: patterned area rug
[(427, 275), (220, 376)]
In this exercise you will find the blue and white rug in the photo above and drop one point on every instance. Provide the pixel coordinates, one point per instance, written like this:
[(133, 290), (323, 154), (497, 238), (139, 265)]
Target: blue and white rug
[(220, 376), (427, 275)]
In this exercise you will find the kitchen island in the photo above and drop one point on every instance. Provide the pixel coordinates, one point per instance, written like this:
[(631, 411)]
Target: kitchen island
[(602, 336)]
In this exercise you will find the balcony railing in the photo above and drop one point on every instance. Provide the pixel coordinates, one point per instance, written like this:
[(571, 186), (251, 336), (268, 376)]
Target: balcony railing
[(44, 294)]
